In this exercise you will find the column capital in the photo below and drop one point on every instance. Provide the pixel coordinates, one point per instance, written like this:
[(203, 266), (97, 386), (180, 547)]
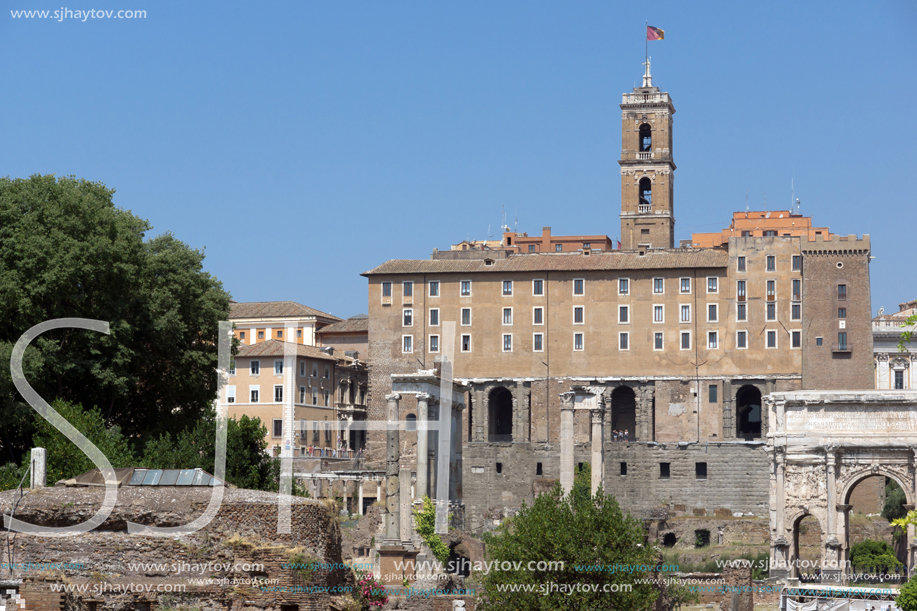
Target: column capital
[(393, 397), (567, 399), (597, 416), (423, 396)]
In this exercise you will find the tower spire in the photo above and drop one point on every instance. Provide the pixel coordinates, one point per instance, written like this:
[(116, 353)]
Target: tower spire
[(647, 77)]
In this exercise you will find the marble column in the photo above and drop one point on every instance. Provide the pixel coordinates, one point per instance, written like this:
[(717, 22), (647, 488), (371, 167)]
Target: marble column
[(360, 497), (830, 563), (477, 415), (392, 457), (608, 408), (404, 480), (423, 440), (566, 441), (598, 454), (455, 459)]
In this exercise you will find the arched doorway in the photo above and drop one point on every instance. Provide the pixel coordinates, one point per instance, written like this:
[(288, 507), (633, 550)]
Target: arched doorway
[(866, 496), (806, 558), (748, 413), (624, 411), (500, 413)]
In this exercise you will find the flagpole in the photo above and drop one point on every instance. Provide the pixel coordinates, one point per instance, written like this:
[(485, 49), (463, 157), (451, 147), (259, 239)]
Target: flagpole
[(646, 43)]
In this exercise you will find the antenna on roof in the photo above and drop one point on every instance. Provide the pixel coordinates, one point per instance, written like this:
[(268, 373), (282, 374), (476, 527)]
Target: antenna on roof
[(746, 203), (764, 195), (792, 192)]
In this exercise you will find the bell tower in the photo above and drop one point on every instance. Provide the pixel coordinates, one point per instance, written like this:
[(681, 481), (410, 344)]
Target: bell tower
[(647, 169)]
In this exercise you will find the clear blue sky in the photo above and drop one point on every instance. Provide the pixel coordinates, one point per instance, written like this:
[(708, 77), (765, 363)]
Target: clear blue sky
[(303, 143)]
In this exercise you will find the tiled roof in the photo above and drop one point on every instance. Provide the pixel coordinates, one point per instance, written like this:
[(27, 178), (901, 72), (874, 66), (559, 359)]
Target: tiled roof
[(357, 324), (273, 309), (536, 262), (273, 347)]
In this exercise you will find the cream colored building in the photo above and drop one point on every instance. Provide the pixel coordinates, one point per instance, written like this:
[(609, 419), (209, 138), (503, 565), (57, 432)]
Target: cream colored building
[(258, 321), (893, 367)]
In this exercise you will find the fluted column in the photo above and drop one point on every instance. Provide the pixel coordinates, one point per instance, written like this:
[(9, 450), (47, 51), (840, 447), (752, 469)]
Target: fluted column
[(598, 453), (392, 458), (566, 441), (421, 489)]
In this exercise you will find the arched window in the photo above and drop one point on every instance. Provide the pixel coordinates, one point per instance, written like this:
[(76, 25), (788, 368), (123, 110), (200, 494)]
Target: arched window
[(748, 413), (501, 415), (411, 422), (646, 138), (646, 195)]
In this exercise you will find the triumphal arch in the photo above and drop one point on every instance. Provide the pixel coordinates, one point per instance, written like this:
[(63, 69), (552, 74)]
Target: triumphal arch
[(821, 445)]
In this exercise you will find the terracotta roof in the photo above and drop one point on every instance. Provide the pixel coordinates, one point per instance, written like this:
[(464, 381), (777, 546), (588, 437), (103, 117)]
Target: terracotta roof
[(357, 324), (535, 262), (273, 347), (273, 309)]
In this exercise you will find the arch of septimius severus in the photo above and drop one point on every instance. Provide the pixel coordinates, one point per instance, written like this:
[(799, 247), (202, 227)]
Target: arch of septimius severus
[(821, 445)]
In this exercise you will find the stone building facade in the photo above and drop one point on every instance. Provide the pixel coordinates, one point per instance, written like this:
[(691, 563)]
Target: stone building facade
[(681, 343), (893, 366)]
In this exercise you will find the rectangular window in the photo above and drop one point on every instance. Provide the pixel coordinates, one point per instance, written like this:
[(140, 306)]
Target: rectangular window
[(278, 368), (771, 290), (740, 264), (771, 263), (507, 342), (712, 340), (278, 394), (253, 394), (795, 312), (842, 292), (685, 313), (302, 394), (579, 286), (623, 314), (842, 340), (578, 341), (314, 370), (797, 263), (537, 316), (537, 287), (278, 428), (741, 313), (327, 398), (531, 247), (232, 368), (740, 290), (712, 285), (658, 313), (465, 289), (314, 396), (255, 368), (558, 248), (386, 289), (507, 316), (657, 341), (711, 312), (771, 339), (538, 342), (466, 343), (466, 317), (899, 380), (663, 470), (408, 320), (434, 317), (623, 343), (242, 335), (623, 286), (623, 468), (579, 315), (842, 312), (700, 470), (260, 334), (279, 334), (230, 394), (587, 244), (298, 333), (327, 431), (434, 343), (315, 431), (772, 311), (407, 343), (658, 286), (327, 372), (685, 286), (797, 290), (797, 339), (408, 289), (434, 288), (819, 341), (685, 340), (741, 339), (711, 393), (507, 287)]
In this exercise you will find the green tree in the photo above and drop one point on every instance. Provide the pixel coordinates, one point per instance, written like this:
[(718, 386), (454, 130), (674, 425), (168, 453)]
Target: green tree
[(580, 531), (872, 555), (895, 499), (907, 596), (66, 251)]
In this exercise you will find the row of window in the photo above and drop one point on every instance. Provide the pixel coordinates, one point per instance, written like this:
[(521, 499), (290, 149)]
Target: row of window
[(254, 395), (770, 263), (279, 334), (255, 369), (579, 314), (624, 286), (713, 341), (277, 430)]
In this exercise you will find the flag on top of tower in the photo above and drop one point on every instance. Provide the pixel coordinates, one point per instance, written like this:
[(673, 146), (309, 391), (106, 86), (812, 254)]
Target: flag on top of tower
[(654, 33)]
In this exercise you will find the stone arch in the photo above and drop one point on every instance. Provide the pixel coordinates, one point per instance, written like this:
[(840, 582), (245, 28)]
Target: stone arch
[(500, 414), (798, 565), (646, 138), (749, 412), (850, 481), (624, 411)]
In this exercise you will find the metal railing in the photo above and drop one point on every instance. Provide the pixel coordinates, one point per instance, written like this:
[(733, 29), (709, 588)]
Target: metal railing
[(842, 347)]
